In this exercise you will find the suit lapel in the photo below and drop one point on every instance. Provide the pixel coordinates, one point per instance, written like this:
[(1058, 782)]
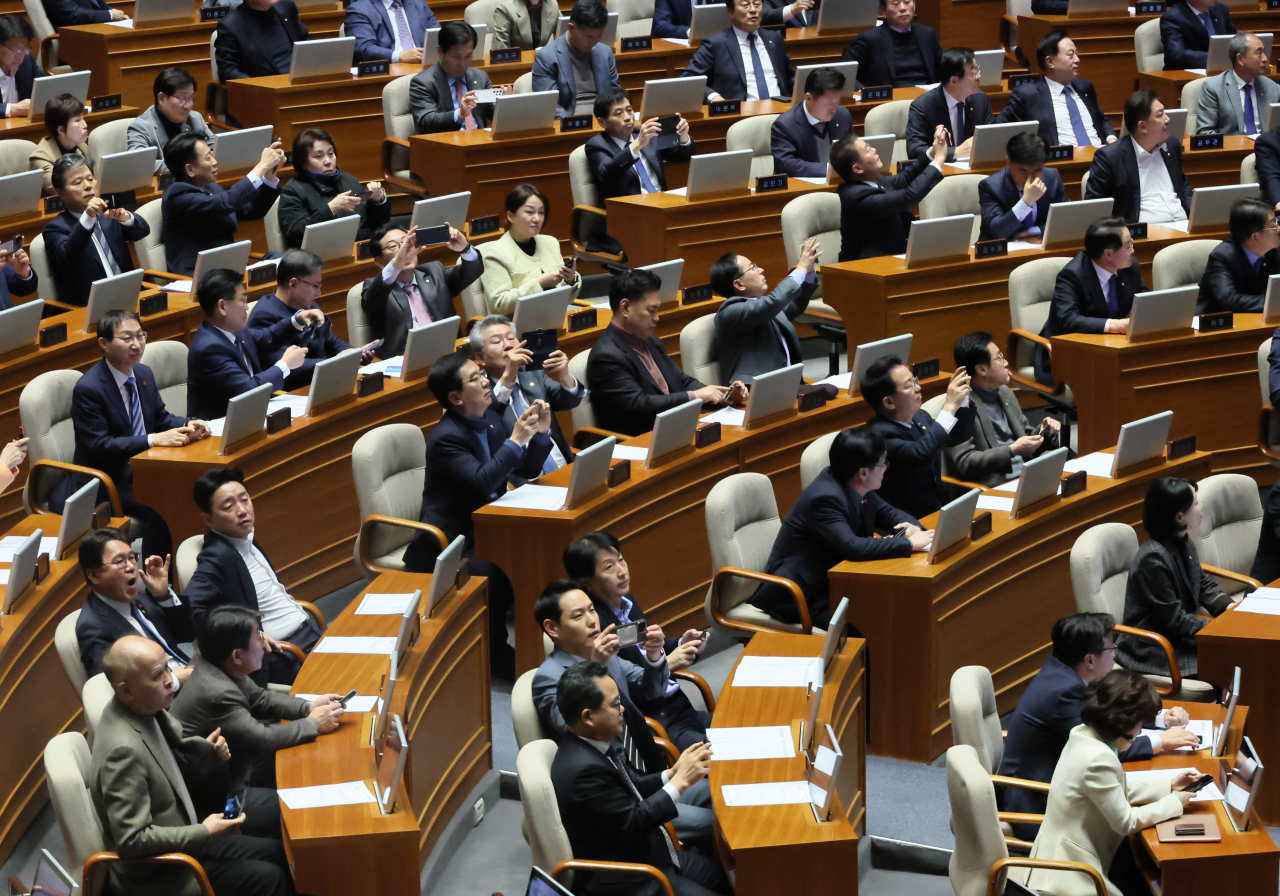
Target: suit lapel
[(165, 758), (565, 67), (886, 51), (735, 55), (107, 384), (1044, 109)]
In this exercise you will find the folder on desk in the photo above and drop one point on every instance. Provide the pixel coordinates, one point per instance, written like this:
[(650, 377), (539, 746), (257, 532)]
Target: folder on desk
[(20, 325), (954, 522), (1039, 480), (991, 67), (773, 393), (939, 239), (246, 414), (1140, 441), (673, 430), (77, 517), (990, 141), (431, 44), (428, 344), (116, 293)]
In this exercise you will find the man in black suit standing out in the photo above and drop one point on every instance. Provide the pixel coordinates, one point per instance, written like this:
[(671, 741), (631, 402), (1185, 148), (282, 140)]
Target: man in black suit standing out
[(1235, 276), (957, 103), (1015, 200), (256, 39), (802, 136), (1142, 173), (901, 53), (736, 64), (1066, 106), (875, 211), (442, 97), (1185, 29), (18, 69)]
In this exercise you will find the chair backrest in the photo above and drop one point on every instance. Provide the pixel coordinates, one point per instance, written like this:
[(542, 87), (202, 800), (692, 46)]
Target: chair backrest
[(742, 524), (582, 415), (1100, 561), (108, 138), (524, 712), (815, 458), (68, 647), (213, 57), (890, 118), (1191, 101), (397, 121), (1181, 264), (388, 464), (975, 719), (95, 696), (271, 224), (167, 359), (523, 84), (15, 156), (1084, 184), (548, 840), (1264, 371), (956, 195), (632, 11), (698, 350), (581, 183), (480, 12), (1249, 169), (1232, 522), (1017, 8), (67, 761), (40, 264), (44, 406), (150, 248), (42, 25), (975, 821), (184, 561), (754, 134), (1148, 47), (358, 330), (1030, 294), (813, 214)]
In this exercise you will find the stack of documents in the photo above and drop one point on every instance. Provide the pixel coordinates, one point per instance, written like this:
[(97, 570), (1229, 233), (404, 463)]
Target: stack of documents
[(778, 672), (384, 604), (778, 794), (630, 452), (10, 543), (1096, 464), (534, 497), (840, 381), (338, 644), (1202, 728), (763, 742), (1264, 600), (390, 367), (357, 703), (1164, 774), (348, 793)]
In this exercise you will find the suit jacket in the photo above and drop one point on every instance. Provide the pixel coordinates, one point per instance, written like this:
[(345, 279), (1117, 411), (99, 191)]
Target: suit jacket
[(913, 481), (535, 384), (998, 194), (146, 130), (77, 12), (199, 218), (1049, 7), (671, 18), (1186, 43), (750, 332), (873, 51), (73, 259), (930, 110), (1266, 151), (981, 458), (221, 577), (100, 626), (1231, 283), (772, 15), (368, 22), (1266, 563), (216, 372), (238, 53), (614, 172), (719, 57), (1078, 305), (827, 524), (270, 311), (12, 284), (431, 101), (1221, 110), (387, 306), (553, 70), (795, 145), (1034, 102), (247, 714), (48, 151), (511, 26), (875, 218), (304, 201), (1114, 173), (24, 78), (624, 396), (509, 273)]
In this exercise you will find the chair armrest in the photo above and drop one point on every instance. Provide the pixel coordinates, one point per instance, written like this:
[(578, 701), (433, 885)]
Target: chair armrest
[(673, 752), (1175, 674), (294, 650), (366, 562), (1233, 576), (586, 436), (1010, 351), (95, 869), (18, 888), (700, 683), (1020, 817), (581, 219), (315, 613), (729, 572), (671, 832), (998, 869), (1264, 434), (1020, 783), (42, 54), (592, 865), (112, 495), (960, 483), (657, 728), (389, 147), (1015, 843)]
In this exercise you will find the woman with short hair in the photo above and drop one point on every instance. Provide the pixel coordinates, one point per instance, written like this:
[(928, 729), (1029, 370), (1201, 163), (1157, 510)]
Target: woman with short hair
[(524, 260), (319, 192), (64, 119)]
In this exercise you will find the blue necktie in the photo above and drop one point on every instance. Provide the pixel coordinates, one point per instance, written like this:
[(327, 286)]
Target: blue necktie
[(135, 409), (644, 175), (958, 137), (517, 401), (1077, 121), (1112, 302), (136, 609), (762, 85), (1206, 21), (1250, 123)]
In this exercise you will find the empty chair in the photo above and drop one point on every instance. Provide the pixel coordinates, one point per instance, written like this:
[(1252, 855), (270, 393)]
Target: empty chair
[(1181, 264), (94, 697), (108, 138), (1191, 101), (890, 118), (388, 464), (1148, 46), (975, 718), (815, 458), (68, 647), (698, 350), (397, 121), (955, 195), (753, 133), (635, 17), (1228, 538), (14, 156), (167, 359), (150, 249), (1030, 297), (1249, 169)]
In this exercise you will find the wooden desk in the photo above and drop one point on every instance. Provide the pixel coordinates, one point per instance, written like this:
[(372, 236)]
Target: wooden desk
[(35, 131), (442, 696), (778, 849), (1208, 380), (992, 603)]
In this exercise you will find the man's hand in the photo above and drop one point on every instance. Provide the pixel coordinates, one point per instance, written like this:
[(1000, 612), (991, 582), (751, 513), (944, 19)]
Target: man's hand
[(182, 673), (682, 128), (1176, 738), (311, 316), (293, 356), (457, 241), (737, 393), (810, 252), (1117, 326), (711, 394), (344, 203), (1051, 426), (20, 110), (170, 438), (965, 149), (605, 646), (406, 257), (526, 426), (1177, 716), (219, 742), (516, 358), (376, 193), (692, 766), (557, 367), (800, 6), (920, 541), (1027, 446), (413, 56), (21, 263), (97, 205), (197, 430), (272, 645), (544, 415), (654, 641), (957, 390), (117, 15), (155, 574), (1111, 139), (468, 103), (13, 454), (218, 825), (327, 715), (941, 140), (272, 159), (683, 656), (648, 130), (119, 214), (1032, 190), (908, 529), (694, 636)]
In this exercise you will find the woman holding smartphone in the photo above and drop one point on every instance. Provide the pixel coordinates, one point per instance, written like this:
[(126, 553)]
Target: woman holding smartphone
[(11, 457), (524, 260), (319, 192)]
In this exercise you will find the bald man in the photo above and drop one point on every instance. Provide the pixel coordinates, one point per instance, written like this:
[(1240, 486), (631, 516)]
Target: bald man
[(144, 802)]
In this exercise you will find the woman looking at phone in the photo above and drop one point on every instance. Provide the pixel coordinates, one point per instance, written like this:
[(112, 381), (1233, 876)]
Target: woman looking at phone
[(524, 260), (320, 192)]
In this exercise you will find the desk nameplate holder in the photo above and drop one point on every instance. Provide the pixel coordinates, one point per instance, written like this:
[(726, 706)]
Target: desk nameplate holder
[(529, 134), (721, 195), (1143, 338), (1140, 467), (1023, 512), (668, 459), (950, 552), (247, 442)]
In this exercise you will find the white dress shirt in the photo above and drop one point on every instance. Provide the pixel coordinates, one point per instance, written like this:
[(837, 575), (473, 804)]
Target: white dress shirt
[(603, 747), (281, 615), (120, 378), (1104, 280), (8, 91), (89, 223), (749, 69), (1066, 133), (1159, 203), (123, 609), (1234, 82), (1026, 215)]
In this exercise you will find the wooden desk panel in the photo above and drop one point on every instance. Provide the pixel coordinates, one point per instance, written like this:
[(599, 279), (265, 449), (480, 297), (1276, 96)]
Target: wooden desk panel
[(993, 604)]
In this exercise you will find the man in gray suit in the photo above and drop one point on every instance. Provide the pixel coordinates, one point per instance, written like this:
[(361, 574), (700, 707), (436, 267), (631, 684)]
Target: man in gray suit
[(1236, 101), (406, 294), (442, 98), (576, 63), (220, 696), (754, 334), (1002, 438), (144, 802)]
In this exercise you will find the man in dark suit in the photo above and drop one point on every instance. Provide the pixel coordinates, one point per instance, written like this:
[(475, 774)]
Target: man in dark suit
[(577, 64), (1015, 200), (1066, 106), (497, 348), (1266, 561), (631, 377), (613, 813), (62, 13), (1143, 173), (17, 277), (754, 333), (256, 39), (837, 518), (198, 212), (1094, 292), (957, 103), (1267, 156), (394, 30), (722, 58), (900, 53), (1235, 276), (442, 97), (793, 14), (1185, 29), (671, 18), (116, 606), (875, 211), (18, 68), (225, 357), (86, 241), (914, 440), (802, 137)]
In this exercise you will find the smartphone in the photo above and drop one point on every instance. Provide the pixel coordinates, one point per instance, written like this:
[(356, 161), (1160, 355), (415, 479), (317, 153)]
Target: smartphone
[(362, 194), (433, 236), (570, 261), (629, 634), (235, 803), (487, 95), (13, 245), (347, 696), (667, 137), (372, 346), (1199, 784)]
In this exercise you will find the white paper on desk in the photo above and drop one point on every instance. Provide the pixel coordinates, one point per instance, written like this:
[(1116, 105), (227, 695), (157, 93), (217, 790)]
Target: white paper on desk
[(385, 366), (840, 381), (680, 41), (780, 794), (349, 793), (726, 417), (384, 604), (820, 181), (1095, 464), (357, 703), (1012, 486), (355, 71), (630, 452), (1021, 245), (297, 404), (1201, 728), (48, 545), (1181, 227), (1267, 593), (534, 497), (177, 286), (215, 426), (602, 306), (757, 742), (123, 23), (1211, 792), (995, 502), (958, 163), (1197, 71), (1252, 604), (778, 671), (679, 191), (4, 577), (1195, 322), (366, 645), (926, 86), (903, 256)]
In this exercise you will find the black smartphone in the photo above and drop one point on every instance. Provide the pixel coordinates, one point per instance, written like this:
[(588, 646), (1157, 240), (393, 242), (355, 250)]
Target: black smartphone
[(433, 236), (235, 804), (667, 137), (347, 696), (13, 245), (1199, 784)]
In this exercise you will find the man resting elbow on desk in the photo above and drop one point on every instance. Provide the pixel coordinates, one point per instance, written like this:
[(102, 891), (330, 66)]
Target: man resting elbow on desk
[(256, 40), (1236, 273), (1015, 200)]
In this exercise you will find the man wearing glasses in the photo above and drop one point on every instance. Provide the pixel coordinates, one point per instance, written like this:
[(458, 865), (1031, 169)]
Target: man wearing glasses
[(18, 68), (1235, 276)]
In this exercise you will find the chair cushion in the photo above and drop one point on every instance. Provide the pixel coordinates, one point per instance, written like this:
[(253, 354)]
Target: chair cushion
[(748, 613)]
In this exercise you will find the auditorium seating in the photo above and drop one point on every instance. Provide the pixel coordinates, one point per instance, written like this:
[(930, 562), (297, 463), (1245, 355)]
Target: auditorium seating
[(1181, 264), (698, 350), (956, 195), (388, 464), (1030, 295), (754, 134), (890, 118), (1147, 46), (1228, 536), (167, 359)]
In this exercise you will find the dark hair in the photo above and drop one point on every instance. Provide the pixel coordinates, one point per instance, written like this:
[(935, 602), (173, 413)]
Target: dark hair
[(633, 285), (1167, 497), (171, 80), (453, 34), (217, 285), (971, 350), (1118, 701), (207, 486), (579, 558), (1026, 149), (605, 100), (1103, 234), (296, 263), (227, 628), (577, 690), (1080, 634), (547, 606), (375, 244), (725, 270), (853, 450), (115, 317), (844, 155), (181, 152), (445, 376), (1248, 216), (305, 142), (822, 79), (877, 383), (1049, 46), (1138, 108), (589, 14), (953, 64), (94, 545), (60, 111), (65, 164), (520, 193), (15, 26), (1239, 46)]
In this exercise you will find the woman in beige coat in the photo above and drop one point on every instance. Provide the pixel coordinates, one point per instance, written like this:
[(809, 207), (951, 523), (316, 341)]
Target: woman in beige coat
[(524, 260), (64, 117), (1092, 808)]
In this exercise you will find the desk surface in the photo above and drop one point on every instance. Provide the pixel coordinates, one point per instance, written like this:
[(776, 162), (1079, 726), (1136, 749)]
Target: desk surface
[(35, 131)]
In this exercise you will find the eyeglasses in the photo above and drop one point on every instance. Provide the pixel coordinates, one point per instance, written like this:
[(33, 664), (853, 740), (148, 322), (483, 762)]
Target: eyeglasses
[(884, 464), (16, 51), (139, 337), (319, 285), (910, 385), (184, 100), (123, 562), (476, 378)]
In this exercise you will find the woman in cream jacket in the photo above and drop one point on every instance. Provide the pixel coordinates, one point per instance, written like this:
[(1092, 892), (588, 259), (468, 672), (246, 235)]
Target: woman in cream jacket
[(1092, 808), (524, 261)]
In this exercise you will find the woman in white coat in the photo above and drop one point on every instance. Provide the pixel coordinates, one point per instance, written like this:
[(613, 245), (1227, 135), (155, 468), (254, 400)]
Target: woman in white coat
[(1092, 809)]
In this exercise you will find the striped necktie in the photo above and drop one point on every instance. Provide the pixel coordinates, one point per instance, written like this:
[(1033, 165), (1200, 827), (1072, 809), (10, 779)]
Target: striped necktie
[(618, 763), (402, 25), (135, 409)]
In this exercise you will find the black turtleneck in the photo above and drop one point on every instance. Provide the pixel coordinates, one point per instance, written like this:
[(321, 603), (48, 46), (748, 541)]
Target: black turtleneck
[(908, 64)]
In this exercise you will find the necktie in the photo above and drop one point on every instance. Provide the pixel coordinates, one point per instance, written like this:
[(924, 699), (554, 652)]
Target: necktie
[(135, 409), (631, 785), (1250, 122), (416, 304), (645, 182), (402, 25), (100, 239), (762, 85), (782, 337), (1206, 21), (244, 356), (1113, 303), (1077, 120), (136, 609), (520, 406), (958, 137), (459, 91)]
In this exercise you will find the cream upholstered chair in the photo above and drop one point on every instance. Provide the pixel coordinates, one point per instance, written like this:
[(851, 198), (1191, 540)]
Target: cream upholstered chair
[(890, 118), (1181, 264), (523, 84), (956, 195), (150, 248), (215, 106), (588, 210), (753, 133), (1228, 538), (1264, 371), (1249, 169), (108, 138), (479, 12), (14, 156), (94, 697), (810, 215), (359, 332), (47, 55), (698, 350), (271, 224), (1100, 561), (388, 464), (524, 712), (1030, 296), (585, 431), (397, 121), (184, 561), (1191, 101), (1148, 47), (45, 288), (167, 359), (68, 647), (1269, 422), (815, 458), (635, 17)]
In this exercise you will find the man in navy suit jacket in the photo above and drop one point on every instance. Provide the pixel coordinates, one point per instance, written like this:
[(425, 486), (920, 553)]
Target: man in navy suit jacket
[(17, 277), (376, 27), (256, 39), (1267, 154), (899, 53), (1052, 99), (875, 210), (1115, 173), (957, 103), (1015, 200), (225, 357), (802, 137), (198, 212), (18, 69), (1238, 269), (81, 12), (553, 67), (721, 58), (85, 234), (1184, 35)]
